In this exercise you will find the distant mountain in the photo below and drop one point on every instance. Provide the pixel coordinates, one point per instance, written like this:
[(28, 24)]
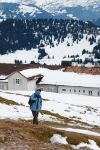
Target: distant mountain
[(97, 22), (65, 9), (22, 11), (78, 9)]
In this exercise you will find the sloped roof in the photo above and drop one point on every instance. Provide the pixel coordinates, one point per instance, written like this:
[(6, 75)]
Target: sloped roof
[(58, 77), (3, 78), (37, 76), (70, 79), (29, 74)]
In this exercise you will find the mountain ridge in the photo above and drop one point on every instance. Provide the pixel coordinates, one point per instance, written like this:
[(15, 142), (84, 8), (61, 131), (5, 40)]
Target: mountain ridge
[(82, 10), (18, 11)]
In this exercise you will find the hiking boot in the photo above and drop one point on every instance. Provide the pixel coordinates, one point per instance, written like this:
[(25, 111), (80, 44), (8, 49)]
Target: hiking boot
[(35, 121)]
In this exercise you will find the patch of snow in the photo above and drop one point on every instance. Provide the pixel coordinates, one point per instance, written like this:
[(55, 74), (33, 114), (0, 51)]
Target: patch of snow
[(87, 132), (57, 138), (2, 77), (92, 145), (25, 56), (71, 16), (14, 112), (27, 9)]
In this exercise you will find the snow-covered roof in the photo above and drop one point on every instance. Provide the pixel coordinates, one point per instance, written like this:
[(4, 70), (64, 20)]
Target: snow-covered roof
[(30, 73), (4, 81), (3, 78), (58, 77)]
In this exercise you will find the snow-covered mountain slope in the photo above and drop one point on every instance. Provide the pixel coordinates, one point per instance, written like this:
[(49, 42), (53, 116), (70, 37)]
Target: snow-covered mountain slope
[(80, 9), (22, 11), (56, 54), (72, 2), (49, 41), (64, 2)]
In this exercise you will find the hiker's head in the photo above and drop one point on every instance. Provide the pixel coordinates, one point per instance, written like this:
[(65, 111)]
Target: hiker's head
[(38, 91)]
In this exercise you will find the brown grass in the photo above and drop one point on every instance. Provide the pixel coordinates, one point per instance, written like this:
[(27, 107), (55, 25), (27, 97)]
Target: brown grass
[(91, 70), (37, 136), (66, 120), (7, 102)]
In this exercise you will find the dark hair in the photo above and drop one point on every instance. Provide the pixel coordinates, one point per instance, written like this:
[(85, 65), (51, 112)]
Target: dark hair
[(39, 90)]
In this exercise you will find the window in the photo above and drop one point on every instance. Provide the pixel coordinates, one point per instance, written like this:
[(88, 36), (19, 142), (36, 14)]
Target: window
[(79, 91), (90, 92), (74, 91), (17, 81), (98, 93), (2, 86), (49, 89), (41, 89), (70, 90), (63, 89), (83, 91)]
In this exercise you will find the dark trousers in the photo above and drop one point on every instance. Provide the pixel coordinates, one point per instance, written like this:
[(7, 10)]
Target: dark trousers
[(35, 117)]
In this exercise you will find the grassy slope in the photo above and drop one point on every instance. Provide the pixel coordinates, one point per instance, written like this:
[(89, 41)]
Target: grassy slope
[(7, 102), (23, 133)]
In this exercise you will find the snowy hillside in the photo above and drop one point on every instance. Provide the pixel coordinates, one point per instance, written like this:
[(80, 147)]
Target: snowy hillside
[(72, 106), (49, 41), (55, 55), (83, 115)]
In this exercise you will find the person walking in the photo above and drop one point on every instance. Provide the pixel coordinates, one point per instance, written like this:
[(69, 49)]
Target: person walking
[(35, 103)]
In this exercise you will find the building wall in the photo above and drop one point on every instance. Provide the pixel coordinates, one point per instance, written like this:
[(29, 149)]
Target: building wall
[(79, 90), (3, 85), (32, 85), (71, 90), (49, 88), (13, 84)]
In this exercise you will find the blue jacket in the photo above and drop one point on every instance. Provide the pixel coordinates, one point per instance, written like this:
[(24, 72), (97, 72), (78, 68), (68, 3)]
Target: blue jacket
[(36, 102)]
